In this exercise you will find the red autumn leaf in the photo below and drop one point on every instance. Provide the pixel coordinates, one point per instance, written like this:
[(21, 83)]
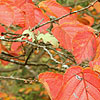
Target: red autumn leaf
[(67, 31), (41, 17), (20, 3), (11, 2), (64, 37), (84, 46), (19, 18), (15, 48), (96, 68), (77, 84), (53, 8), (97, 56), (2, 29), (29, 15), (3, 62), (18, 14), (49, 79), (6, 14), (33, 16), (17, 3), (96, 61)]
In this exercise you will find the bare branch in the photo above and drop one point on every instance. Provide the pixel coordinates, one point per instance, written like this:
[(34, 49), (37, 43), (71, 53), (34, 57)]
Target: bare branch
[(23, 64), (31, 43), (51, 55), (56, 19), (18, 79)]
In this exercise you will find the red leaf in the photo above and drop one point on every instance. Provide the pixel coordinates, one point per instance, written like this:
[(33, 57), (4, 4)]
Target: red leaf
[(16, 47), (33, 16), (67, 31), (19, 18), (49, 79), (20, 3), (41, 17), (6, 14), (64, 37), (2, 29), (84, 46), (96, 60), (77, 84), (17, 3), (29, 15), (4, 63), (11, 2), (53, 8)]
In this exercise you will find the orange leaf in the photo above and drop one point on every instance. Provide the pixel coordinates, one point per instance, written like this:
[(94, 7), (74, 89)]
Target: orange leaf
[(2, 95), (77, 84), (87, 20), (96, 68), (11, 2), (97, 7)]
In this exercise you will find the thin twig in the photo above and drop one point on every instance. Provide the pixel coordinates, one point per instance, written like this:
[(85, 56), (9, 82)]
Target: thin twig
[(29, 55), (31, 43), (56, 19), (18, 79), (51, 56), (23, 64)]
